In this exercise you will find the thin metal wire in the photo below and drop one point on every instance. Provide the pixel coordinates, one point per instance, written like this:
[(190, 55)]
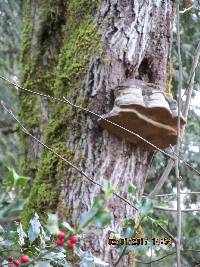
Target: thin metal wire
[(61, 157), (66, 101)]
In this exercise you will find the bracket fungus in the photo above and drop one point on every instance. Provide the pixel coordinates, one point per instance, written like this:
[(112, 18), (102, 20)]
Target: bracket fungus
[(144, 110)]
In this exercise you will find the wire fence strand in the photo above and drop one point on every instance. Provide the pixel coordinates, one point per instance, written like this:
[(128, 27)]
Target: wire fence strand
[(61, 157), (66, 101)]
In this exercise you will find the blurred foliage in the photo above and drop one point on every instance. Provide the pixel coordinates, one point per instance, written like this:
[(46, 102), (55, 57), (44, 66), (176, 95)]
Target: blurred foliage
[(11, 201), (10, 42)]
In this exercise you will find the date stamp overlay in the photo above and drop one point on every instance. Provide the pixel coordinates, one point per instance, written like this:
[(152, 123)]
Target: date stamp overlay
[(142, 241)]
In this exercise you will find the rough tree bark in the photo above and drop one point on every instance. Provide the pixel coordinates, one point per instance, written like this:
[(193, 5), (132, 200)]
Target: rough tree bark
[(82, 50)]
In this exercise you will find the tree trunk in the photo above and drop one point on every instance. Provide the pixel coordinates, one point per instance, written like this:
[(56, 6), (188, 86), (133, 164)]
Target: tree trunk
[(82, 50)]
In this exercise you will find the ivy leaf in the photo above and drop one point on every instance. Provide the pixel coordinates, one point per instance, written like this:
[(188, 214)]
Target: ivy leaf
[(22, 180), (16, 179), (11, 176), (34, 229), (21, 235)]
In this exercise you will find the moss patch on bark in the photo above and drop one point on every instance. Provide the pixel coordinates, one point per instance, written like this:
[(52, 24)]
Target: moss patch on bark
[(59, 74)]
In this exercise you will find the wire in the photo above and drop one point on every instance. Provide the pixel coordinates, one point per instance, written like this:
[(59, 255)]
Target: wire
[(61, 157), (66, 101)]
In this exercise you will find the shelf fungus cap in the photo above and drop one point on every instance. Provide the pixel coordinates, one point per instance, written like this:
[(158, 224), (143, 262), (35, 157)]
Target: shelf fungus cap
[(146, 111)]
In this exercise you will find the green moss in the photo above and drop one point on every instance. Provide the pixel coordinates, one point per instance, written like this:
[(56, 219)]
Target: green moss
[(75, 56), (53, 14), (82, 101), (46, 188), (60, 74), (26, 31), (38, 62)]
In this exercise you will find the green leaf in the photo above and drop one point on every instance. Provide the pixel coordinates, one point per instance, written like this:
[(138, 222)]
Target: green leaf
[(106, 185), (52, 223), (87, 217), (57, 258), (132, 190), (21, 235), (146, 206), (10, 177), (136, 203), (97, 215), (129, 232), (129, 222), (78, 252), (15, 179), (43, 237), (89, 260), (102, 218), (52, 219), (22, 180), (66, 225), (34, 229), (162, 222), (158, 221), (12, 209), (108, 189), (43, 264)]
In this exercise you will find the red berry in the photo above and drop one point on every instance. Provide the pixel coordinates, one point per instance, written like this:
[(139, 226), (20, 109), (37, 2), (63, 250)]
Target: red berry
[(10, 259), (16, 262), (60, 243), (69, 245), (24, 259), (73, 239), (61, 235)]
